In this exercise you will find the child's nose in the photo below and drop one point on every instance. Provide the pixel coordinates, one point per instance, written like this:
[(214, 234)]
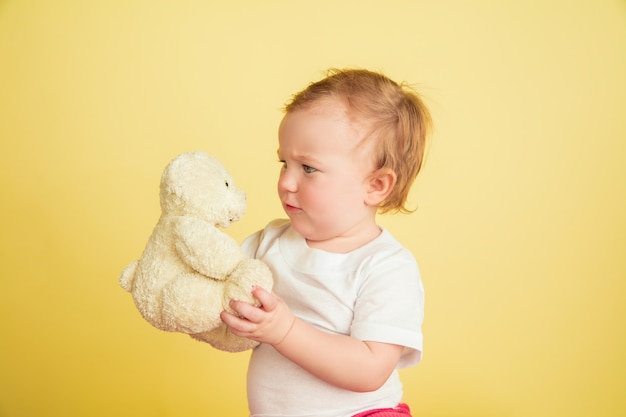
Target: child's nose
[(287, 181)]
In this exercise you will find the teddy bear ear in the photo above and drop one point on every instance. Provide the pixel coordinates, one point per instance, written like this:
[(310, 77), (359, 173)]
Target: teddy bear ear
[(179, 167), (173, 189), (172, 192), (167, 183)]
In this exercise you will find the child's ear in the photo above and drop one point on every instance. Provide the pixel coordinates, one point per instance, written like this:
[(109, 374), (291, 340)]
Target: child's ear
[(379, 186)]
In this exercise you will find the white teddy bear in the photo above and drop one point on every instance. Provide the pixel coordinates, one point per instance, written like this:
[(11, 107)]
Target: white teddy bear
[(190, 269)]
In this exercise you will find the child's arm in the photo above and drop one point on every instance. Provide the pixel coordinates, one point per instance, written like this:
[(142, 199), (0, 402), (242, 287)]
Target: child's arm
[(339, 360)]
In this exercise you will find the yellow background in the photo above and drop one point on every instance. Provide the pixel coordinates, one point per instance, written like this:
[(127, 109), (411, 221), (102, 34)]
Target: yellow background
[(520, 231)]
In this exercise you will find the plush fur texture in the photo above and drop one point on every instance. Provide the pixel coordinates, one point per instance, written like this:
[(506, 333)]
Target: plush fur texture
[(190, 269)]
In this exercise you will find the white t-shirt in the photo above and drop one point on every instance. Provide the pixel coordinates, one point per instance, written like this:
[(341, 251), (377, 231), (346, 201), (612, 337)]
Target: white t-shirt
[(373, 293)]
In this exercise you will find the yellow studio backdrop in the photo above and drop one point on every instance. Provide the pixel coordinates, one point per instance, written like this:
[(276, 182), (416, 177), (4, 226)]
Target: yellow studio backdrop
[(520, 230)]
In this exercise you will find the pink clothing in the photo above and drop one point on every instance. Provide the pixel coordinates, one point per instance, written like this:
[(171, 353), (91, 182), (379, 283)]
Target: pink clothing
[(402, 410)]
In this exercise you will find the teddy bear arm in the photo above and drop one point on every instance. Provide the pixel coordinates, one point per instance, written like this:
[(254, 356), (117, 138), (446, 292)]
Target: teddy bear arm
[(205, 248)]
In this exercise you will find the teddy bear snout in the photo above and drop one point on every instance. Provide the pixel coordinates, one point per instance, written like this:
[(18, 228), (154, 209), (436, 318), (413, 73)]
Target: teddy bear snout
[(234, 217)]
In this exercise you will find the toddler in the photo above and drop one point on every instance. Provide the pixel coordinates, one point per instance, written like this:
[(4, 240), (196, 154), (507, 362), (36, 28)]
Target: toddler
[(347, 305)]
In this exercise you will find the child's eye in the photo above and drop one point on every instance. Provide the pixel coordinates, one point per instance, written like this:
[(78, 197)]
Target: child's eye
[(308, 169), (283, 163)]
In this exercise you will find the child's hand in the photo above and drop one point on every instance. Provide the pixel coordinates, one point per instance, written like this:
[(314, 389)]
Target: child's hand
[(268, 323), (338, 359)]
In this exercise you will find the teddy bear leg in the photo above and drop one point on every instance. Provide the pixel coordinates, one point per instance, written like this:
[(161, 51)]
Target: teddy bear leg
[(191, 303), (221, 338), (127, 276), (248, 274)]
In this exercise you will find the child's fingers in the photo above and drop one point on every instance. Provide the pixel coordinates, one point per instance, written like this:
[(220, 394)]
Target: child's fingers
[(239, 326), (231, 320), (267, 299), (245, 310)]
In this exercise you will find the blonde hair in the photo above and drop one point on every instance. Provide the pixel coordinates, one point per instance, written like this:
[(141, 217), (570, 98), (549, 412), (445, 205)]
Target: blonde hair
[(400, 122)]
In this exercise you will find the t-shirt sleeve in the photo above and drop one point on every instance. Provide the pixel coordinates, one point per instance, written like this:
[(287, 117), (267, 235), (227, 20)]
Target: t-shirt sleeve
[(390, 305), (251, 244)]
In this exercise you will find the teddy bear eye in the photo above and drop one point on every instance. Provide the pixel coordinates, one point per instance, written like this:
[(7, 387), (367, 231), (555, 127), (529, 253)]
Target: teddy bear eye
[(227, 185)]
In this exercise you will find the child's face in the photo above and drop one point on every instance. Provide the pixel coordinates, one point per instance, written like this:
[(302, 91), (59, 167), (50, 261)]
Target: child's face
[(323, 181)]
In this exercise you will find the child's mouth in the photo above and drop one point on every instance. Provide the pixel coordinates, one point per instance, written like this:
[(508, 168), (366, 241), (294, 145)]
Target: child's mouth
[(291, 209)]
